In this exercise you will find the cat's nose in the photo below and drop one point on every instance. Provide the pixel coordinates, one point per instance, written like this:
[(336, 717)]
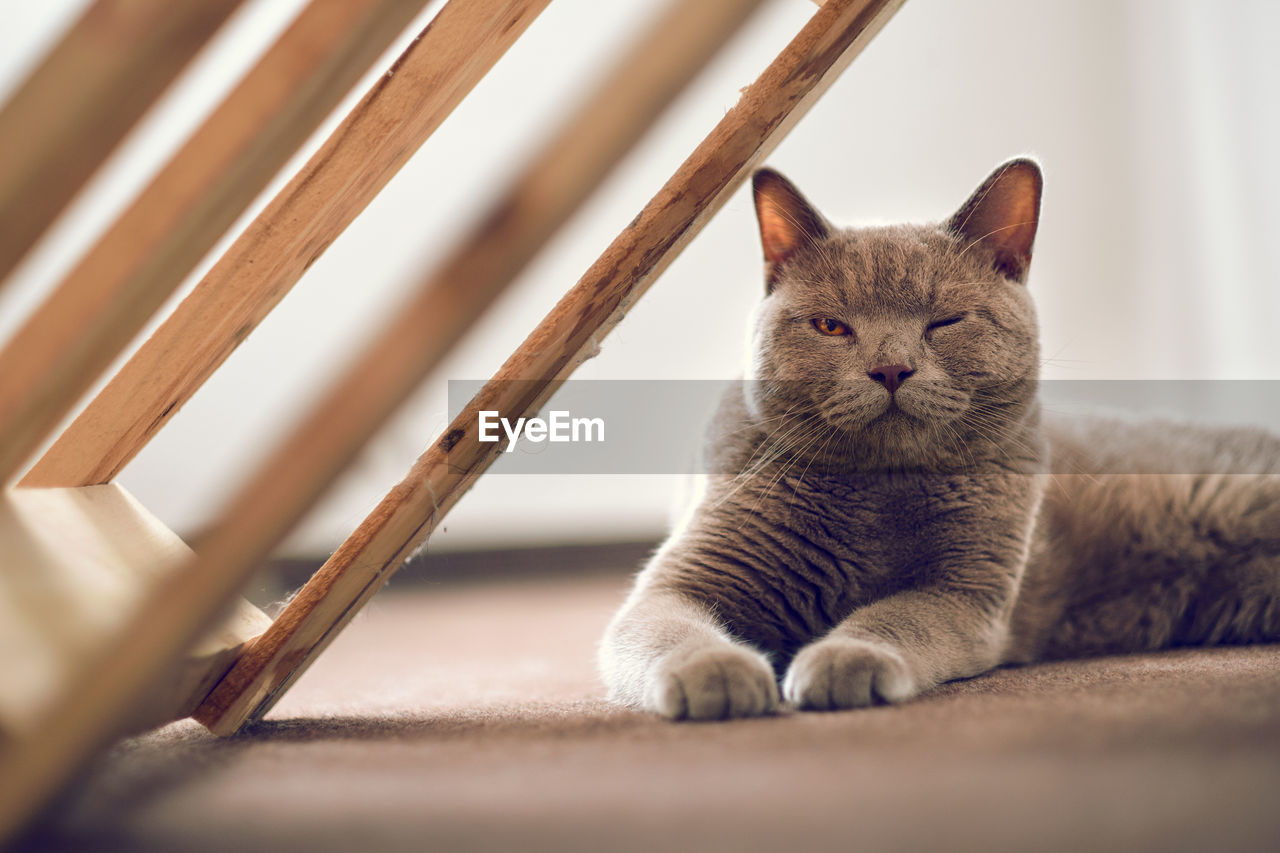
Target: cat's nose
[(890, 375)]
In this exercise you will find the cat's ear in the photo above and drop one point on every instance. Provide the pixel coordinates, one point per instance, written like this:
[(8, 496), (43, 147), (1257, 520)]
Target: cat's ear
[(787, 221), (1002, 216)]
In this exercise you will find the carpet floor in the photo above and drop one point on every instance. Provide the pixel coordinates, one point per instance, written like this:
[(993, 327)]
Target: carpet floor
[(469, 717)]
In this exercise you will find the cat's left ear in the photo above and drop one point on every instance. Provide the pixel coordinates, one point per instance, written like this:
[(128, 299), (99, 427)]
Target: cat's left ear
[(1003, 215), (787, 221)]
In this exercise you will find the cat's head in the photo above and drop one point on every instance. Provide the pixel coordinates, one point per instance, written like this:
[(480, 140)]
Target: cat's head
[(900, 346)]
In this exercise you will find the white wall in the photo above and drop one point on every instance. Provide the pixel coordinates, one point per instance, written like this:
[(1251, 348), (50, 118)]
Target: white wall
[(1155, 123)]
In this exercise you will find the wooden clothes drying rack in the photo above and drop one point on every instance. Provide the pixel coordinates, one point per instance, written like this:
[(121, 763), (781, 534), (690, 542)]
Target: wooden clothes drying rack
[(108, 622)]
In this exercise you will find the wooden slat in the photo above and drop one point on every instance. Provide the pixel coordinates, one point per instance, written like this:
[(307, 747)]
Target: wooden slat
[(566, 337), (554, 184), (152, 247), (393, 119), (79, 102)]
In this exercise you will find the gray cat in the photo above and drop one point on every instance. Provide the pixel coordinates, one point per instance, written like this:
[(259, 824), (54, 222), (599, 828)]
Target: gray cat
[(893, 510)]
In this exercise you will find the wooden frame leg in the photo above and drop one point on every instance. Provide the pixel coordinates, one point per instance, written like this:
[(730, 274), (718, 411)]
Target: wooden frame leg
[(76, 563)]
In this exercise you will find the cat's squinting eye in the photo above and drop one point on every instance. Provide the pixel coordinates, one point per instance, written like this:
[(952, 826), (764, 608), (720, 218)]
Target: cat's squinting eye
[(950, 321), (834, 328)]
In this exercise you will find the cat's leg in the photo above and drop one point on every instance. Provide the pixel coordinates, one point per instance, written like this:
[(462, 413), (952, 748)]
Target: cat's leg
[(1156, 561), (665, 653), (1225, 561), (897, 647)]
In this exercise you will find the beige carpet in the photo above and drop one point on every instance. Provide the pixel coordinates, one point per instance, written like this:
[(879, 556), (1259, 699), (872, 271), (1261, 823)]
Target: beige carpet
[(455, 717)]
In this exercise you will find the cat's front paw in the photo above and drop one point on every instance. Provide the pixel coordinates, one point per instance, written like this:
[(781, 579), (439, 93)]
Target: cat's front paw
[(714, 683), (840, 672)]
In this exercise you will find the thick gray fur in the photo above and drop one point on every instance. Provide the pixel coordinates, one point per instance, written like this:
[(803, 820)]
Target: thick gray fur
[(859, 552)]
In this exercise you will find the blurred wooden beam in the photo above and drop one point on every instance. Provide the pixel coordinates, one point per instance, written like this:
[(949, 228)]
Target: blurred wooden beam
[(109, 296), (556, 181), (567, 336), (379, 136), (78, 103)]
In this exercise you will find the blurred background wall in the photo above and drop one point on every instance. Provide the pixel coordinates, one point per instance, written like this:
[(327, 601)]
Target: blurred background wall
[(1155, 121)]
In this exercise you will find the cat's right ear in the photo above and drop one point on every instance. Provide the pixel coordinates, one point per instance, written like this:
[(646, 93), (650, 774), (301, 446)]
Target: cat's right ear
[(787, 221)]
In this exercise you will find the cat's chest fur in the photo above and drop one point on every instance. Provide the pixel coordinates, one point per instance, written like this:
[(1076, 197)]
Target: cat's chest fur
[(873, 525), (797, 550)]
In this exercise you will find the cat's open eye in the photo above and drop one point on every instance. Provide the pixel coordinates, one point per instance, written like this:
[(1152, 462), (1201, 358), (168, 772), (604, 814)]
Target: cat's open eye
[(950, 321), (834, 328)]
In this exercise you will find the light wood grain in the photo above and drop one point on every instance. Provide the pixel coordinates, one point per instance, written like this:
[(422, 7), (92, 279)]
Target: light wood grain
[(75, 567), (566, 337), (380, 134), (82, 98), (557, 180), (112, 292)]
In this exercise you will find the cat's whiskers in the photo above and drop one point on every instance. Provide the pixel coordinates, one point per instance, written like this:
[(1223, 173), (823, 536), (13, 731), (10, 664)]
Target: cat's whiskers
[(1000, 433), (851, 408), (753, 425), (783, 449), (994, 439), (1056, 360), (795, 491), (771, 448), (787, 465), (961, 448), (768, 441), (1012, 383), (989, 421)]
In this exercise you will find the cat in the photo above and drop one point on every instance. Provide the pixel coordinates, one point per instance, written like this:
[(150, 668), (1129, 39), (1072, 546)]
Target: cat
[(893, 510)]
